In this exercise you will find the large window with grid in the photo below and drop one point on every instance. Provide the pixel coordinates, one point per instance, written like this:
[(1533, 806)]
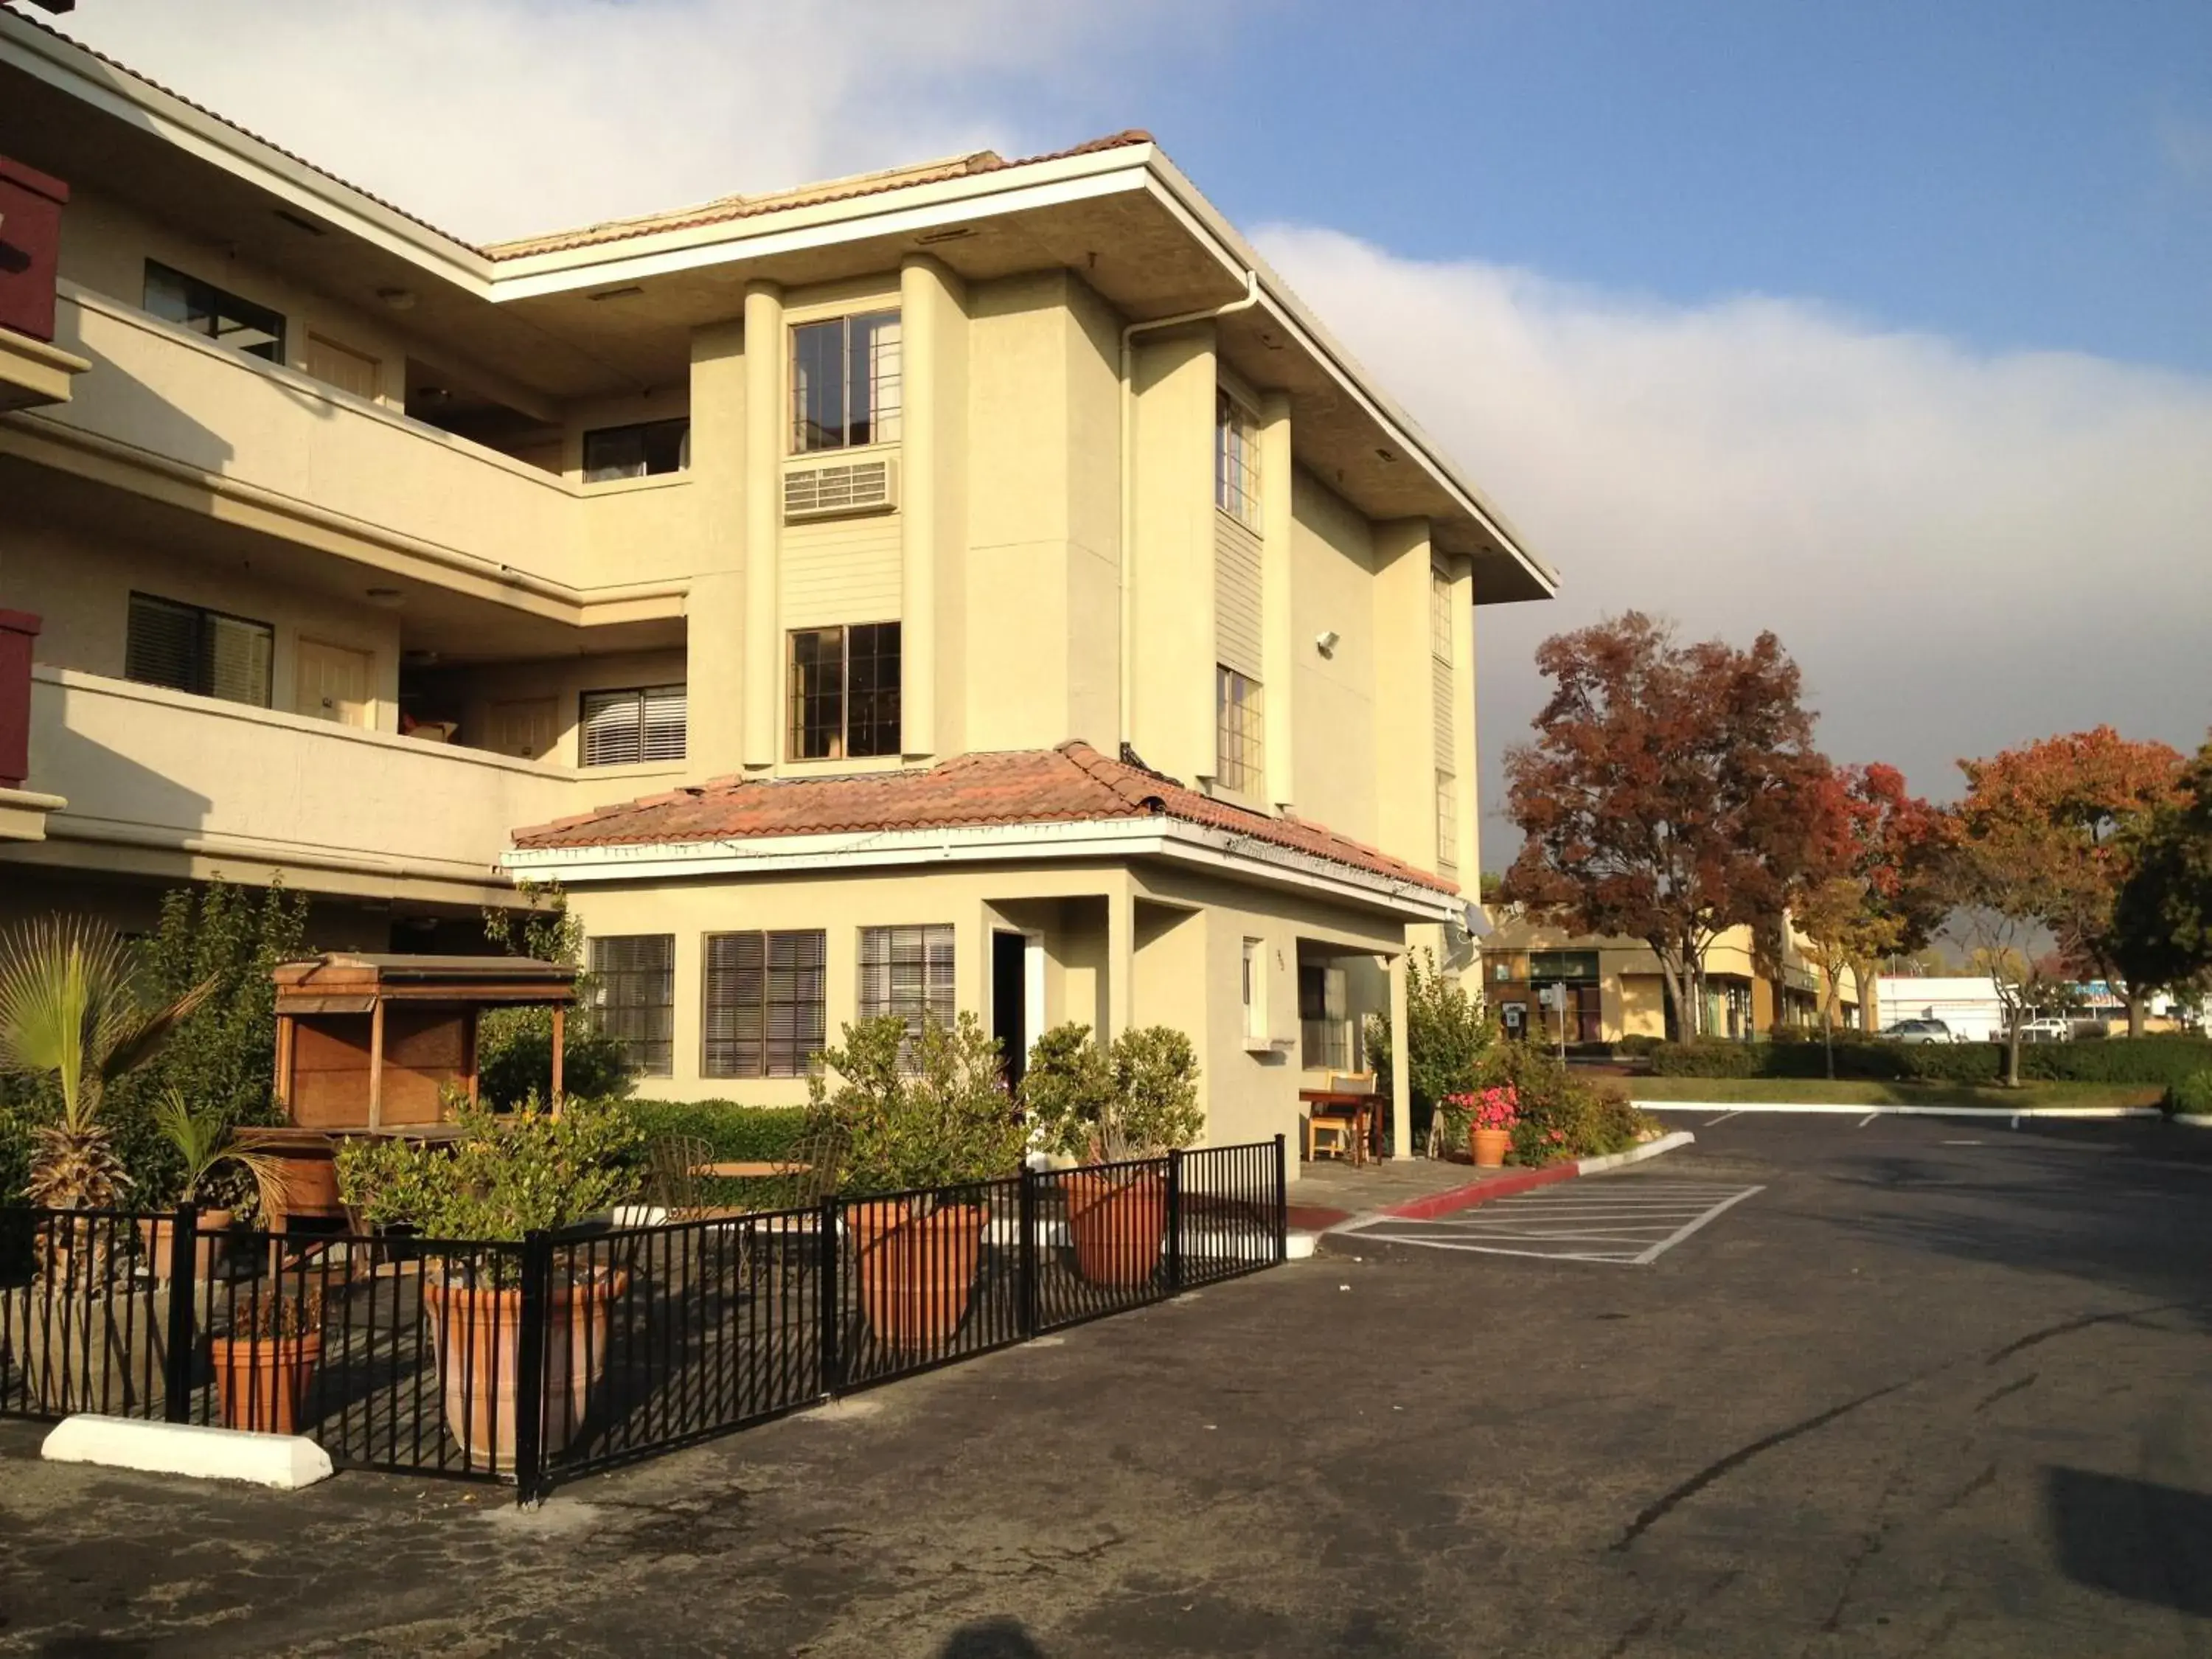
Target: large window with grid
[(763, 1015), (188, 648), (845, 382), (907, 971), (1447, 820), (621, 728), (206, 309), (1236, 460), (844, 692), (1237, 732), (634, 997)]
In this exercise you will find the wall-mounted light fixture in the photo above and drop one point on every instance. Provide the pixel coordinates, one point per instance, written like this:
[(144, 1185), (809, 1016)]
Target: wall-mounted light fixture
[(1325, 641)]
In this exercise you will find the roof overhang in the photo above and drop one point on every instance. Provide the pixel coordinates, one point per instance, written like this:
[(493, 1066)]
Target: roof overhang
[(1222, 852)]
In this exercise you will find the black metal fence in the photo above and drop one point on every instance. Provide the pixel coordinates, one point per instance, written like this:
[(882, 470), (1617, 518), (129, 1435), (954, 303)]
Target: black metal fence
[(574, 1351)]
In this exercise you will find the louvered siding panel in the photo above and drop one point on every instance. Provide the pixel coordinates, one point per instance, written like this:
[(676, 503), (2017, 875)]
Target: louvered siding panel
[(842, 570), (1446, 726), (1236, 623)]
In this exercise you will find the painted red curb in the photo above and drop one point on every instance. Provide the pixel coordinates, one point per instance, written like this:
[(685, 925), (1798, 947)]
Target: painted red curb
[(1432, 1205)]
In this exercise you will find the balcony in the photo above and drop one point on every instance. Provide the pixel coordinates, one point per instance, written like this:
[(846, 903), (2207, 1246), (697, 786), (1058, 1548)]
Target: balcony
[(173, 784), (169, 414), (33, 371)]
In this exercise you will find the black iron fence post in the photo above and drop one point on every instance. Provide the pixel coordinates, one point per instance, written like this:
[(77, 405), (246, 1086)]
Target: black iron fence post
[(177, 1370), (1282, 1200), (530, 1366), (1027, 1258), (1175, 1222), (832, 1301)]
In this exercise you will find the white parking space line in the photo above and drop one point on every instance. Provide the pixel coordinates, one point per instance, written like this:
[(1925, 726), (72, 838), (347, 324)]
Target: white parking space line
[(1632, 1224), (1867, 1119), (1723, 1118)]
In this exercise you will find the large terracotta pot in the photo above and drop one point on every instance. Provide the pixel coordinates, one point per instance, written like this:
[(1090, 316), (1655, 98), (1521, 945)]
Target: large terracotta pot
[(102, 1347), (1490, 1146), (261, 1382), (917, 1271), (478, 1332), (209, 1248), (1117, 1225)]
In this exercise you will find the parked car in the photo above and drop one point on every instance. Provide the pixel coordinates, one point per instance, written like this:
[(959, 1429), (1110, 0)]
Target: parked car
[(1917, 1031), (2048, 1029)]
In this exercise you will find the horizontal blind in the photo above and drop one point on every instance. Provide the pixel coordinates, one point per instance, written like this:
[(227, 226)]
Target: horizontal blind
[(611, 733), (1443, 722), (735, 973), (163, 646), (238, 660), (634, 997), (664, 716), (794, 1001)]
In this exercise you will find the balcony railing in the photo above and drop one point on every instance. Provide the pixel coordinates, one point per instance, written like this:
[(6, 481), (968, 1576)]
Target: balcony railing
[(148, 768)]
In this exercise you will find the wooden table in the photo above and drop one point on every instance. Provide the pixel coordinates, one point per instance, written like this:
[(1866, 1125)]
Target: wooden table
[(1365, 1111)]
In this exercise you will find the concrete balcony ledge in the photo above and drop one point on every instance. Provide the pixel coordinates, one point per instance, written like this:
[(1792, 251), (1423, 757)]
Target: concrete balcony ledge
[(23, 813), (33, 373)]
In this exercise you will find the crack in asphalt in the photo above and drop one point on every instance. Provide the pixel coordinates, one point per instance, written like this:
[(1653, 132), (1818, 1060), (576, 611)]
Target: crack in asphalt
[(2066, 1328), (2013, 1387)]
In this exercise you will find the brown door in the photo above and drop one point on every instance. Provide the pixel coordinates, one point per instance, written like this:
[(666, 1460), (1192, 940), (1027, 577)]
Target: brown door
[(334, 684), (342, 367)]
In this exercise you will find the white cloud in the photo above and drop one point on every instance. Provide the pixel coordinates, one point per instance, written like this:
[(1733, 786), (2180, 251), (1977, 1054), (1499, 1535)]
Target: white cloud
[(503, 117), (1962, 551)]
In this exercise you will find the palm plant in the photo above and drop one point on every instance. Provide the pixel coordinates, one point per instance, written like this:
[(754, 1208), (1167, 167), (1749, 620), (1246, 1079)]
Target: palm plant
[(205, 1142), (70, 1012)]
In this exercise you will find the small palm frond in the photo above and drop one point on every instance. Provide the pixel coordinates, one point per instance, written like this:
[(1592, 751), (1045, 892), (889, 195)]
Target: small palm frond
[(135, 1034), (65, 987)]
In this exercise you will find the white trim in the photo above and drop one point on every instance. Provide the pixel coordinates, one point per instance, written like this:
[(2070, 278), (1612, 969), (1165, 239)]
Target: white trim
[(1242, 856)]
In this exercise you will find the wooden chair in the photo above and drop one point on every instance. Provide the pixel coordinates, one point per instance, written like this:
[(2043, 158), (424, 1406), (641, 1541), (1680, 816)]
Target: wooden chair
[(1330, 1134)]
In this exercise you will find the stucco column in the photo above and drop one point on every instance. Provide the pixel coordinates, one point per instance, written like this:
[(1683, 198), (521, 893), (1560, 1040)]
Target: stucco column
[(1121, 958), (921, 287), (1278, 648), (1401, 1072), (764, 447)]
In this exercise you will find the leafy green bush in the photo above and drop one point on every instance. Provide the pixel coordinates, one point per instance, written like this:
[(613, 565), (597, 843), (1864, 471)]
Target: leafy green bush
[(1136, 1098), (2192, 1096), (1706, 1058), (1448, 1033), (2152, 1060), (514, 1059), (734, 1133), (1563, 1115), (1638, 1048), (931, 1111), (2161, 1060)]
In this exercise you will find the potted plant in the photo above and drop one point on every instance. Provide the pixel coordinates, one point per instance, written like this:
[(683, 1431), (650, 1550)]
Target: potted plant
[(88, 1339), (264, 1363), (917, 1113), (501, 1178), (1121, 1106), (217, 1161), (1492, 1113)]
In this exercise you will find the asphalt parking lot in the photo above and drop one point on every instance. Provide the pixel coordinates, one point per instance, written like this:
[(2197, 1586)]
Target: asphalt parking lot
[(1910, 1398)]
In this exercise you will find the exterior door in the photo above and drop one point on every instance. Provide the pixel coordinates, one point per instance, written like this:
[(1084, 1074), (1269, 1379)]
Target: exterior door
[(342, 366), (334, 684), (527, 727)]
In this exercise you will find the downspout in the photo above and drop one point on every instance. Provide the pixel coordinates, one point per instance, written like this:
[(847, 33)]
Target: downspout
[(1129, 472)]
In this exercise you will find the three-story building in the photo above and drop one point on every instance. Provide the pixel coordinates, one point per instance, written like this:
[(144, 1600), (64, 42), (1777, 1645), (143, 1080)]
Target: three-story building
[(976, 586)]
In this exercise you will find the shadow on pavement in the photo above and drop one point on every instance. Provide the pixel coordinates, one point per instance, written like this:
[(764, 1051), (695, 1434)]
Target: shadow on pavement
[(2132, 1538), (992, 1638)]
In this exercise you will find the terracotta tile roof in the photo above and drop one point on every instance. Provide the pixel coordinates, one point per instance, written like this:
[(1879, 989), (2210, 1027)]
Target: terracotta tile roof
[(835, 190), (1071, 784)]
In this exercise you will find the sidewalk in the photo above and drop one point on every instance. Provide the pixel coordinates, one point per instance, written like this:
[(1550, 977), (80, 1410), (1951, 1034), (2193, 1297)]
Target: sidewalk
[(1324, 1194)]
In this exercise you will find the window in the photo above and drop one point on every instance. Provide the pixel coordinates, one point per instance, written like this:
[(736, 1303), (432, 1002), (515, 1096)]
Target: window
[(204, 652), (634, 997), (1440, 616), (1255, 990), (1236, 460), (619, 729), (844, 691), (763, 1003), (845, 382), (206, 309), (1324, 1019), (1447, 820), (907, 971), (644, 450), (1237, 733)]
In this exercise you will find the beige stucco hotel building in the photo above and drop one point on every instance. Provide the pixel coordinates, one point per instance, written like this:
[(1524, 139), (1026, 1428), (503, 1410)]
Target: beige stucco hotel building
[(978, 586)]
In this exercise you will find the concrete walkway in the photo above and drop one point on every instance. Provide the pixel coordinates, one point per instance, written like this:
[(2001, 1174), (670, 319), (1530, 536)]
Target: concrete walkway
[(1324, 1194)]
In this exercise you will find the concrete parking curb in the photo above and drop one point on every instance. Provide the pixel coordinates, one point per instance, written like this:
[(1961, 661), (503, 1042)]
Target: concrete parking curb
[(287, 1461)]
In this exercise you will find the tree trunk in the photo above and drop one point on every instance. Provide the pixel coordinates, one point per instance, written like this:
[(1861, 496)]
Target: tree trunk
[(1828, 1019), (1869, 999), (1670, 972), (2012, 1047), (2135, 1012)]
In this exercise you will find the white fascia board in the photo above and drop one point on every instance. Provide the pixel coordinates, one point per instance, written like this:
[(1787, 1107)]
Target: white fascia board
[(906, 210), (1237, 856), (115, 92)]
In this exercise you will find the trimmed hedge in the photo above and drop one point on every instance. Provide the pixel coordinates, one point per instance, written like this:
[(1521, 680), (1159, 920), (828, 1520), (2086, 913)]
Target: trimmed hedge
[(2164, 1061), (736, 1134), (2192, 1096)]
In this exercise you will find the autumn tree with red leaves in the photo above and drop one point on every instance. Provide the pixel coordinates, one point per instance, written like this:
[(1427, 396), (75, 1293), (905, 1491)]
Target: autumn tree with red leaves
[(2162, 920), (1670, 792)]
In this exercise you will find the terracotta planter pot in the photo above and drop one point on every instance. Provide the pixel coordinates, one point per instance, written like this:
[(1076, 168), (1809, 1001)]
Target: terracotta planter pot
[(1118, 1226), (917, 1271), (210, 1250), (99, 1348), (1490, 1146), (478, 1332), (261, 1382)]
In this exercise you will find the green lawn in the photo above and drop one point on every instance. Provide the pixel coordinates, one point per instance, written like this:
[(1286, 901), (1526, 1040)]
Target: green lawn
[(1820, 1092)]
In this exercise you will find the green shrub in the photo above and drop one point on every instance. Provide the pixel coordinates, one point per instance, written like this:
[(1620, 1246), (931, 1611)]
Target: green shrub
[(734, 1133), (2161, 1060), (1137, 1097), (1638, 1048), (1705, 1058), (930, 1111), (1563, 1115), (1448, 1033), (514, 1059), (2192, 1096)]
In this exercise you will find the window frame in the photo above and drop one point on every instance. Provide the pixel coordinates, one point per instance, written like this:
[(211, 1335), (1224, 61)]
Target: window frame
[(1237, 479), (1240, 732), (802, 432), (767, 1062), (644, 695), (799, 727), (1441, 618), (218, 302), (1447, 820), (606, 979), (645, 461), (1252, 964), (931, 937), (204, 654)]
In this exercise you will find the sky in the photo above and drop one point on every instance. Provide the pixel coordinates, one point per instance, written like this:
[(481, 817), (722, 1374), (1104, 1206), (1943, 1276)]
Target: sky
[(1887, 327)]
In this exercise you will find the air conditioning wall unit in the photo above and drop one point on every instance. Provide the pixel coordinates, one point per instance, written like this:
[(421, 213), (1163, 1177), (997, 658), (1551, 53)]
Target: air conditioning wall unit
[(828, 492)]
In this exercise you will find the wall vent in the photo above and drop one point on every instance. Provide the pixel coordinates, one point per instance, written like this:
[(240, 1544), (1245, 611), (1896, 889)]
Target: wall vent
[(823, 492)]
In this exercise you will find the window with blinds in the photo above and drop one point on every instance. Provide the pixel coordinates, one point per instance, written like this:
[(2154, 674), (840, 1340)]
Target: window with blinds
[(764, 1006), (621, 728), (188, 648), (1236, 460), (1238, 733), (907, 971), (1447, 822), (634, 997)]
